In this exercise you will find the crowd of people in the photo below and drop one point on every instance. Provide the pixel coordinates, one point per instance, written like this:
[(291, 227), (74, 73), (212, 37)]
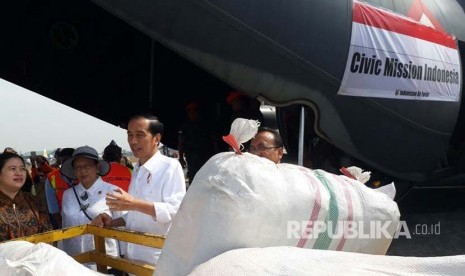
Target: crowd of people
[(81, 188)]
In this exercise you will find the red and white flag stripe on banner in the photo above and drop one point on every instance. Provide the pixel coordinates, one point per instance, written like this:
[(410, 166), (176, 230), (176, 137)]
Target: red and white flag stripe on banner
[(392, 56)]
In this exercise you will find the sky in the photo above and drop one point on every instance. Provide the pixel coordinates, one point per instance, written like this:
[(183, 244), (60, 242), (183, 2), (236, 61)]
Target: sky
[(32, 122)]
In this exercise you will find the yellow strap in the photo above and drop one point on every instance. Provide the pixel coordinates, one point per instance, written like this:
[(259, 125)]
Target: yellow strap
[(53, 182)]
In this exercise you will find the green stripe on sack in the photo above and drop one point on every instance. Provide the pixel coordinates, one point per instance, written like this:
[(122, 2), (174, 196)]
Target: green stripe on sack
[(324, 240)]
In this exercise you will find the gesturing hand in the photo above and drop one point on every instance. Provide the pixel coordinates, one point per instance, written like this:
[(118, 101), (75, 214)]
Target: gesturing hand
[(120, 200)]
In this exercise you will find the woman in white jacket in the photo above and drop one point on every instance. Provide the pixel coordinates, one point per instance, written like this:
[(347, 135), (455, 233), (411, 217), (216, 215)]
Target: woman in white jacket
[(86, 200)]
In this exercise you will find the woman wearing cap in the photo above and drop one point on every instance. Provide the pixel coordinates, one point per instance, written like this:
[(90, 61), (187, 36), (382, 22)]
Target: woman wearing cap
[(86, 200), (19, 212)]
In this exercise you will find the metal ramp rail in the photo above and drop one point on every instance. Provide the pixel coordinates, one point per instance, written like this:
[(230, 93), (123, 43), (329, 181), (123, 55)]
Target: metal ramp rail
[(99, 255)]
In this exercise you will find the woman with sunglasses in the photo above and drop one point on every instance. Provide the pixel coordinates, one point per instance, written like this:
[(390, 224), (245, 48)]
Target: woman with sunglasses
[(84, 201), (19, 212)]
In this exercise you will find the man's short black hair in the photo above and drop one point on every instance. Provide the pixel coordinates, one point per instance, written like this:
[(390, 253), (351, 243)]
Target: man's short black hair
[(278, 141), (155, 126)]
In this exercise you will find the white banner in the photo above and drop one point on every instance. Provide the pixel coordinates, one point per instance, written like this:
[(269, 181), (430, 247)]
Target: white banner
[(395, 57)]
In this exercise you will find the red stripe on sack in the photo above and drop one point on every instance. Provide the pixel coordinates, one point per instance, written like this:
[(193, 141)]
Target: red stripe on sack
[(315, 211), (379, 18), (350, 211)]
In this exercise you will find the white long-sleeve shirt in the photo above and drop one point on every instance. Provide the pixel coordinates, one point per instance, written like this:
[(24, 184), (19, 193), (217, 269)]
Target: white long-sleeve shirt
[(159, 180)]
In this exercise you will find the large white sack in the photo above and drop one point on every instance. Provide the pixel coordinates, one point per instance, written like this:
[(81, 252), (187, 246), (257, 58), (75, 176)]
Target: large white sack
[(23, 258), (291, 261), (240, 201)]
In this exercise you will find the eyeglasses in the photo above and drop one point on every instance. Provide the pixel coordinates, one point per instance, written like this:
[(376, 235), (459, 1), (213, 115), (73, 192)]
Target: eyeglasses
[(261, 148), (83, 168)]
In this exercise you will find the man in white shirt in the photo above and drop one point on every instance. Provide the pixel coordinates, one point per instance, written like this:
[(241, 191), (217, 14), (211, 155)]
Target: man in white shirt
[(155, 193)]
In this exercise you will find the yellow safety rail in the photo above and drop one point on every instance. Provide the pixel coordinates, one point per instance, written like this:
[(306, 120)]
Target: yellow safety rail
[(99, 255)]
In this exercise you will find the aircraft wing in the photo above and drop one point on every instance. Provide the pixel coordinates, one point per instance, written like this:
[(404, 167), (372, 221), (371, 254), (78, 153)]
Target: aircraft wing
[(297, 51)]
